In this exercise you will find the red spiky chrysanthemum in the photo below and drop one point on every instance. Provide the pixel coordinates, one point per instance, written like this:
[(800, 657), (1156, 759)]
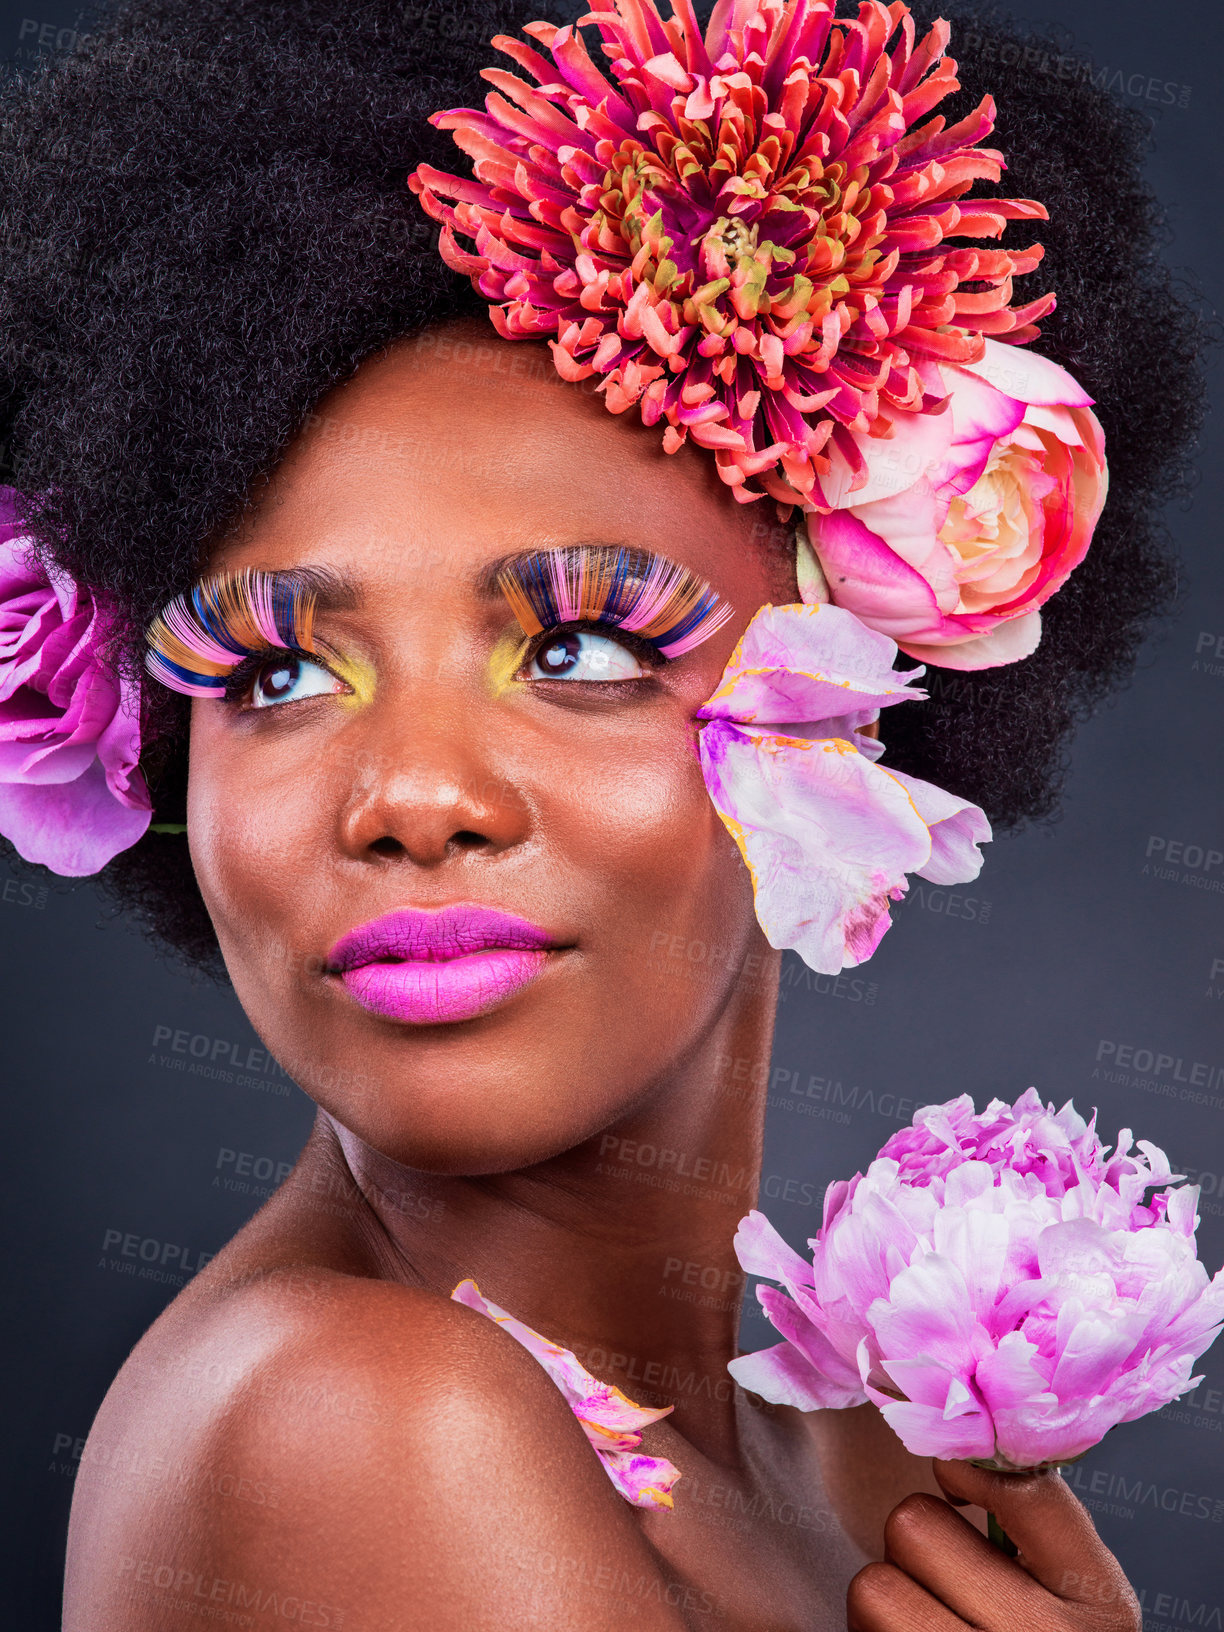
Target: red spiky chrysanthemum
[(746, 234)]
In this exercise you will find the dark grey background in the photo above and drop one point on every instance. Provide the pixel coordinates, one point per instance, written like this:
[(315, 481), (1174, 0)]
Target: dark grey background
[(140, 1105)]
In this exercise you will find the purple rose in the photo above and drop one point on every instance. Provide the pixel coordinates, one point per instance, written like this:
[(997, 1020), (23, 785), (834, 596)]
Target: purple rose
[(71, 796)]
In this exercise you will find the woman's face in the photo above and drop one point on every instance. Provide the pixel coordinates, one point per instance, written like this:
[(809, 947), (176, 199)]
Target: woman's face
[(429, 762)]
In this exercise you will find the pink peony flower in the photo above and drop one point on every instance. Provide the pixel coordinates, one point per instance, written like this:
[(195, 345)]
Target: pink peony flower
[(1003, 1287), (746, 235), (610, 1420), (970, 519), (71, 796), (828, 835)]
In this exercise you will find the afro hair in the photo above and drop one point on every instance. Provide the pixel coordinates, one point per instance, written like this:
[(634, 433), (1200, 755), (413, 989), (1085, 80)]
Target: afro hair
[(206, 227)]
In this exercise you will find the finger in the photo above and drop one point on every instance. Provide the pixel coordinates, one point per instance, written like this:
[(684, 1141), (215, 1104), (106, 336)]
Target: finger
[(884, 1599), (1059, 1546), (943, 1552)]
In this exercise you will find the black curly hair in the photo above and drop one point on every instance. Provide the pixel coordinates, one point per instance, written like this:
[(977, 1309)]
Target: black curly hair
[(206, 226)]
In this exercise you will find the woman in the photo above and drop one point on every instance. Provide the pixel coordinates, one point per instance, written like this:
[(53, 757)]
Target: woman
[(442, 804)]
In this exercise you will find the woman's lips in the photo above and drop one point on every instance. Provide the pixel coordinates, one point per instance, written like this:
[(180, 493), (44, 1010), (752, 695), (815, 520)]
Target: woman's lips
[(427, 968)]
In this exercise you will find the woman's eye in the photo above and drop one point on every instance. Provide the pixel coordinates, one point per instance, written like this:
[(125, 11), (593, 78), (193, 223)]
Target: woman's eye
[(288, 679), (581, 654)]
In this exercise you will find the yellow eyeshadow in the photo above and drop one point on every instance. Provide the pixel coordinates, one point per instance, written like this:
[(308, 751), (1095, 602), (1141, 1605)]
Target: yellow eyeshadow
[(505, 661), (357, 674)]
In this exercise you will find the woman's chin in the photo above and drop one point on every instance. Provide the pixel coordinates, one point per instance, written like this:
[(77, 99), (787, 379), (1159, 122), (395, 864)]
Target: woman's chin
[(456, 1123)]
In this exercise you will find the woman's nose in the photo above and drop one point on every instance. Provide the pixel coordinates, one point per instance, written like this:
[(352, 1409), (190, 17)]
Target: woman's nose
[(430, 791)]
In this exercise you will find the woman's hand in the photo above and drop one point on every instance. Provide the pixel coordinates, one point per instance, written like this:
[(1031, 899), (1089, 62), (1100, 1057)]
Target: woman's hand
[(941, 1575)]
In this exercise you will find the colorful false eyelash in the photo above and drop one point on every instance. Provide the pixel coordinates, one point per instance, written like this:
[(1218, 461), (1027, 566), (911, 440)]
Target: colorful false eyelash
[(645, 594), (199, 639)]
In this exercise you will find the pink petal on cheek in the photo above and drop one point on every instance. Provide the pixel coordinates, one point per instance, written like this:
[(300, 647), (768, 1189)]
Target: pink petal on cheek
[(957, 828), (826, 835), (805, 663)]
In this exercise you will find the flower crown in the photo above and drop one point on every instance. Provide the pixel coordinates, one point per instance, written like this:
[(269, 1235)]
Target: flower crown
[(748, 236)]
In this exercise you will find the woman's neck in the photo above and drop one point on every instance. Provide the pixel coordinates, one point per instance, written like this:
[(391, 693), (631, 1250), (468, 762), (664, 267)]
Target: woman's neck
[(621, 1248)]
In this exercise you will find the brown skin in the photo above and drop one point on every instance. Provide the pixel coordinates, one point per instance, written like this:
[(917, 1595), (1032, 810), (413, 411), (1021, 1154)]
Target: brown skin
[(313, 1423)]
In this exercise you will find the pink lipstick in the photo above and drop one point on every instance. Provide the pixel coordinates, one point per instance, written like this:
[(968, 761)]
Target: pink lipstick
[(429, 968)]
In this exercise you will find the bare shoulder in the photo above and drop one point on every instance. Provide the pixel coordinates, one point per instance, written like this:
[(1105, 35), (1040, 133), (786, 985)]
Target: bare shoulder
[(336, 1451)]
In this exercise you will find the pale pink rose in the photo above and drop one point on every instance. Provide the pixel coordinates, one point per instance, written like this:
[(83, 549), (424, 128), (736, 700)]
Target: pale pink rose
[(1003, 1287), (972, 518)]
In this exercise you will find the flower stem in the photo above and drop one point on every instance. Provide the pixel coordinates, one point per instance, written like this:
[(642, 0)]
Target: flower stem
[(1000, 1536)]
